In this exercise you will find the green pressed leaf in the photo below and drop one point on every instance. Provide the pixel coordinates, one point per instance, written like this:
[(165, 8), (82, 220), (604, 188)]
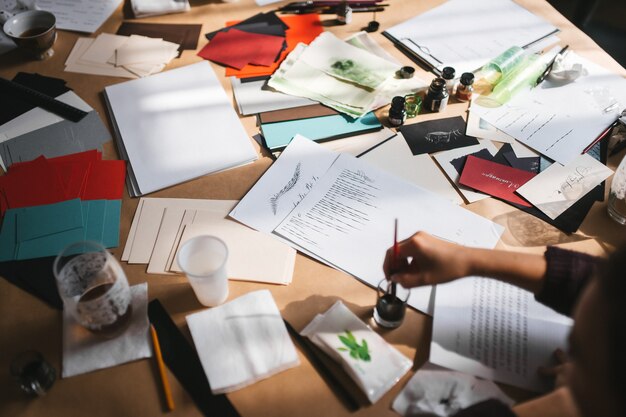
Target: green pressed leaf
[(349, 343), (358, 352)]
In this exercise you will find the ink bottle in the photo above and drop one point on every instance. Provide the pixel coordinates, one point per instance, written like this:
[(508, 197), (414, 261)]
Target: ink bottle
[(437, 96), (397, 113), (448, 74), (465, 89), (390, 307), (344, 13)]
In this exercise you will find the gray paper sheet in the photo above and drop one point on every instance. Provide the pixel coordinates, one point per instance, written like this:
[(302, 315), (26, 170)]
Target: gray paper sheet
[(57, 139)]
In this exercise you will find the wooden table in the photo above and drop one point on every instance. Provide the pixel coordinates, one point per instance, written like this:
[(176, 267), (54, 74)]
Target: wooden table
[(134, 389)]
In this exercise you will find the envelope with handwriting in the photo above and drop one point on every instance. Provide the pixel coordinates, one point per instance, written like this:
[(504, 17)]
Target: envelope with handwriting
[(560, 186), (495, 179)]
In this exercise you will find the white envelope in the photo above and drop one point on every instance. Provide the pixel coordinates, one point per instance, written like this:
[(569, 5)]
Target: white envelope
[(557, 188)]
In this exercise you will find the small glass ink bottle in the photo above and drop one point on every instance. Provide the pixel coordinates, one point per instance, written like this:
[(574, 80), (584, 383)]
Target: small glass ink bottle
[(465, 89), (397, 112), (448, 74), (437, 96), (344, 13)]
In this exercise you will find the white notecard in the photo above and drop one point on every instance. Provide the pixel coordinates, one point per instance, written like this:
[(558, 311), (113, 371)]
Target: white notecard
[(557, 188)]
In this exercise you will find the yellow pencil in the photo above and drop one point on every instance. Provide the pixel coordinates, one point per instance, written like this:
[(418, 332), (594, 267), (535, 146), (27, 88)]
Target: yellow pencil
[(159, 360)]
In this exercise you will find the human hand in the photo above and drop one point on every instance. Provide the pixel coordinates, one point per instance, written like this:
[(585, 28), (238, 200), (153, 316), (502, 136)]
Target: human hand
[(426, 260), (559, 371)]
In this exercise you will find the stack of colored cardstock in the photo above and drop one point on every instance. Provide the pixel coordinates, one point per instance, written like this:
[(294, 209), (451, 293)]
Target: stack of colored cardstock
[(120, 56), (27, 131), (50, 203), (255, 47), (278, 134), (236, 48), (258, 40)]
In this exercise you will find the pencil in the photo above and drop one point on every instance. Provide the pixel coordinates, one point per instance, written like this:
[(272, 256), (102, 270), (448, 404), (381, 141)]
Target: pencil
[(159, 360)]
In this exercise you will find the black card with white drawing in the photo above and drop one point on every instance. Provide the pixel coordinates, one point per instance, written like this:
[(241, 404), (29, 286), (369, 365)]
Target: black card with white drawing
[(437, 135)]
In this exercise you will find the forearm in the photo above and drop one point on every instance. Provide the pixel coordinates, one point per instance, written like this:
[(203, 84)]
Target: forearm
[(524, 270)]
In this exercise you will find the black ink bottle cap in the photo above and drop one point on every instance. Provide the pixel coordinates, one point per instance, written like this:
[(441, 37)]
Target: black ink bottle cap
[(467, 78), (372, 26), (448, 73)]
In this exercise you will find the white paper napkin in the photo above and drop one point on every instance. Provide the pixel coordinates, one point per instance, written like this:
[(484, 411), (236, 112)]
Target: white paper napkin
[(242, 341), (375, 365), (437, 391), (84, 351)]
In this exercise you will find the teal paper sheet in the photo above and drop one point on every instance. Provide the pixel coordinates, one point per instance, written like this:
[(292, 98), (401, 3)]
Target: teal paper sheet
[(278, 135), (35, 232)]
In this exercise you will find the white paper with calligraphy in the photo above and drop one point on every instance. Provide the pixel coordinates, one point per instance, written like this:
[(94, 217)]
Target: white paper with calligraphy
[(559, 187)]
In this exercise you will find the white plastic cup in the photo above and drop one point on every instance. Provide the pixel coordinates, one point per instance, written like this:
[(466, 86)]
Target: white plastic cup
[(203, 260)]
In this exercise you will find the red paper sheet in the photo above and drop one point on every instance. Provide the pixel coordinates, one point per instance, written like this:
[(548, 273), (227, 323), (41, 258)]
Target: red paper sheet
[(81, 175), (105, 181), (495, 179), (32, 185), (302, 28), (236, 48)]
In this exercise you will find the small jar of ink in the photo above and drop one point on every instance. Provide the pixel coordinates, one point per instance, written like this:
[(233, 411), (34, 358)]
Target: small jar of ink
[(448, 73), (391, 301), (397, 112), (437, 96), (465, 89)]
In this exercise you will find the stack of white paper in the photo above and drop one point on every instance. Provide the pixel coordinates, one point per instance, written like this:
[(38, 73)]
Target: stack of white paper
[(162, 225), (176, 126), (120, 56)]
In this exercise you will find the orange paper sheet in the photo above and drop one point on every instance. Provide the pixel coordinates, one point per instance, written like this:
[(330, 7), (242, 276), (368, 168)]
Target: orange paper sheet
[(302, 28)]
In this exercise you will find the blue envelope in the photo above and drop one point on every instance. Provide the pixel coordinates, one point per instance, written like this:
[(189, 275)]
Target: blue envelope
[(35, 232), (278, 134)]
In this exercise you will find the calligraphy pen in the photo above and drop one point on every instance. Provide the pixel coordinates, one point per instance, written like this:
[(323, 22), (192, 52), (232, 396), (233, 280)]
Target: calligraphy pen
[(548, 69), (396, 258)]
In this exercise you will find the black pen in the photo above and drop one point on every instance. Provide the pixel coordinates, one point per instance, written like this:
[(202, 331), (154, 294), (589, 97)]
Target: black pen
[(546, 72)]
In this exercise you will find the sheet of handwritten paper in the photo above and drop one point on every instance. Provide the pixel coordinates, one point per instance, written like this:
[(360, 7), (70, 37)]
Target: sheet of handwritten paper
[(560, 120), (79, 15), (559, 187)]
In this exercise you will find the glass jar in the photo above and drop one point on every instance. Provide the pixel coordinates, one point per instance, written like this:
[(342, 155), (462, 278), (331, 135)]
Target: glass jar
[(397, 113), (94, 288), (617, 195), (465, 89), (437, 96)]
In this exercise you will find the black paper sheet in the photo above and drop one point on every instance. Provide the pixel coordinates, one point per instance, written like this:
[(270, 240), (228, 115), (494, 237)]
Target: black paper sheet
[(185, 364)]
